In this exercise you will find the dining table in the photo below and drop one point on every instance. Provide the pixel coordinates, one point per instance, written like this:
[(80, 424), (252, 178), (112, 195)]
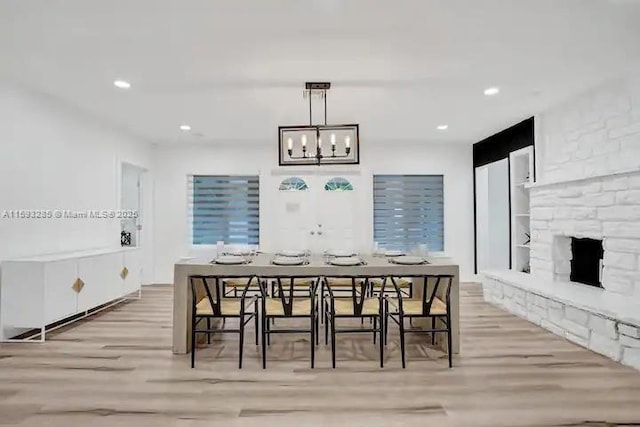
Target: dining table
[(261, 265)]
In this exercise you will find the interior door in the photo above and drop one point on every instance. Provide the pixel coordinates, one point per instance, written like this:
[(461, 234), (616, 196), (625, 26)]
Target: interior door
[(131, 183), (492, 216)]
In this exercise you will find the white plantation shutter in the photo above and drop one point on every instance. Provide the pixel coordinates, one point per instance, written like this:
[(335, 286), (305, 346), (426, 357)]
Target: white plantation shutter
[(408, 210), (224, 208)]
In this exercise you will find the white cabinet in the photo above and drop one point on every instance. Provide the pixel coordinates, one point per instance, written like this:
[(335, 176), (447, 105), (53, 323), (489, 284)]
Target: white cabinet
[(521, 176), (39, 291)]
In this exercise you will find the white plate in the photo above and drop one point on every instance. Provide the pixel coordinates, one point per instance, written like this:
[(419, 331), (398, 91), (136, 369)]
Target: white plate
[(291, 253), (393, 253), (237, 252), (409, 260), (285, 260), (354, 260), (229, 259), (340, 253)]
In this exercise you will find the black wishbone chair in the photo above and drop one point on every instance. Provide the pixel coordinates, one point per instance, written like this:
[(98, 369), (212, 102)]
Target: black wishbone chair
[(359, 304), (338, 285), (287, 302), (208, 303), (429, 306)]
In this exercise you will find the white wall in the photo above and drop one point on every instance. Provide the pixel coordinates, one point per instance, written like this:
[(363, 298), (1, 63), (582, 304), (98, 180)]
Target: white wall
[(173, 165), (596, 133), (52, 157)]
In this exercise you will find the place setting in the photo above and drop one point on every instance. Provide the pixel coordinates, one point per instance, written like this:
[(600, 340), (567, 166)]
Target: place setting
[(340, 253), (388, 253), (291, 257), (408, 260), (234, 255), (231, 260), (343, 258), (289, 261), (292, 253)]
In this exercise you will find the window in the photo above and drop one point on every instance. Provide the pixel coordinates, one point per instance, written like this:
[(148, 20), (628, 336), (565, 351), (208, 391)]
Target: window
[(293, 184), (338, 184), (408, 210), (225, 208)]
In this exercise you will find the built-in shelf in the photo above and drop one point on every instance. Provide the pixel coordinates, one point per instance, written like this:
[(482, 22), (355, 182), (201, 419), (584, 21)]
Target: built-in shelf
[(520, 169)]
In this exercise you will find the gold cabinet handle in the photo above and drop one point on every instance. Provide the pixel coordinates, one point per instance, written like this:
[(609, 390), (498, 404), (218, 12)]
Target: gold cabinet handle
[(77, 285)]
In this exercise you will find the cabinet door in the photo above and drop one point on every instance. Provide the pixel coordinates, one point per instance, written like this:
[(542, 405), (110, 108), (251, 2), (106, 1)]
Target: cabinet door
[(60, 299), (102, 281), (21, 298), (134, 271)]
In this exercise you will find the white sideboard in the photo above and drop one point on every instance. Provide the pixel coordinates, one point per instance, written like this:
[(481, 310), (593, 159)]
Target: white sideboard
[(43, 290)]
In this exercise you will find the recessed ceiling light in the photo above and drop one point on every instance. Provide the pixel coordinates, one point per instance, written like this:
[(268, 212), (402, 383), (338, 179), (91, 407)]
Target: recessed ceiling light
[(185, 128), (491, 91), (122, 84), (442, 127)]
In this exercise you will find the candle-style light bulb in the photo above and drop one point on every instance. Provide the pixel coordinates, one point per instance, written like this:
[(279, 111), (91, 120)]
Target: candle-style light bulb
[(347, 141), (290, 143), (319, 142), (304, 140), (333, 139)]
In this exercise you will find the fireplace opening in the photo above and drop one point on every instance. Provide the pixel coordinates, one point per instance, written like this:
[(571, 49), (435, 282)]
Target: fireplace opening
[(586, 262)]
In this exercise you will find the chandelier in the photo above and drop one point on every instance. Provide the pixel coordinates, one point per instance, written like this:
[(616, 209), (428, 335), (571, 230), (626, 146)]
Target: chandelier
[(321, 143)]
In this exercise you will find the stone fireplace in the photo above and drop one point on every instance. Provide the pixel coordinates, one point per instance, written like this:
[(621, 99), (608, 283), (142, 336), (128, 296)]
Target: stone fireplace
[(585, 265), (601, 209), (585, 225)]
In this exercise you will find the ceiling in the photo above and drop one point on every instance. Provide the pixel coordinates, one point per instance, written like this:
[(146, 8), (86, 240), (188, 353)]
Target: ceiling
[(235, 70)]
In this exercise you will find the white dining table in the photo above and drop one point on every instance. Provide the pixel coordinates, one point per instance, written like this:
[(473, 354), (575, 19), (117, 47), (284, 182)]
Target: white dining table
[(262, 266)]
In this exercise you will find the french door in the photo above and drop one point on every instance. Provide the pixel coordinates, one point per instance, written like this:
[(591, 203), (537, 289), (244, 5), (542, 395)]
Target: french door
[(317, 218)]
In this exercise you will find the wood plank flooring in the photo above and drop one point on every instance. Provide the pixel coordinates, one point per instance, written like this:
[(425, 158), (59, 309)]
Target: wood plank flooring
[(117, 369)]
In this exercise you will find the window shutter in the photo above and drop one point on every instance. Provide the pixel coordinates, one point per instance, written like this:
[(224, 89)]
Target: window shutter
[(224, 208), (408, 210)]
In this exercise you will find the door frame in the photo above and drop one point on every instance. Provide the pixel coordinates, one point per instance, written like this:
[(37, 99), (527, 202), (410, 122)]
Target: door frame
[(145, 219)]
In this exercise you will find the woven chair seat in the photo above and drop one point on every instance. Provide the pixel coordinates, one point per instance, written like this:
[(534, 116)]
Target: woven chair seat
[(345, 307), (300, 307), (414, 307), (240, 282), (401, 282), (228, 306), (342, 281)]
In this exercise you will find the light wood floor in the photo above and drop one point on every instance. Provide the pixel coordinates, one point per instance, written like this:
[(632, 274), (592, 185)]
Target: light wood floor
[(117, 369)]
